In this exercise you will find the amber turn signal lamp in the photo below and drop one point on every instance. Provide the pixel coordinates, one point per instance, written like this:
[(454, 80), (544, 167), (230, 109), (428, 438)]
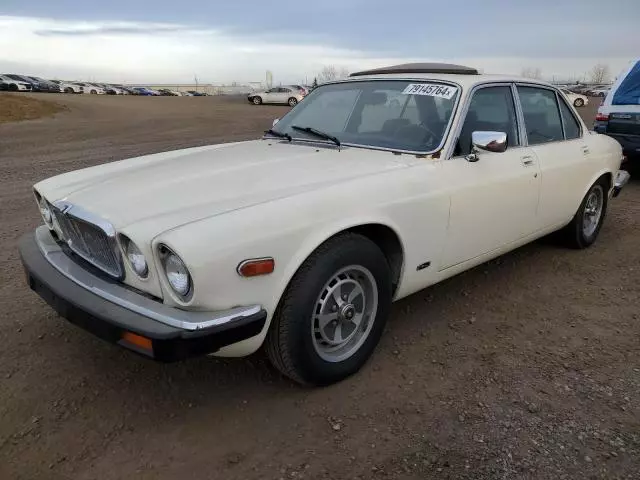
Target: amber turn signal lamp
[(138, 340), (256, 266)]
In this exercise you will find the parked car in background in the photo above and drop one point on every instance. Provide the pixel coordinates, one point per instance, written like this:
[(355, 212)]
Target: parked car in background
[(110, 89), (300, 241), (168, 93), (279, 95), (36, 85), (126, 90), (576, 99), (619, 114), (91, 88), (301, 88), (48, 85), (146, 92), (598, 92), (69, 87), (14, 85), (195, 93)]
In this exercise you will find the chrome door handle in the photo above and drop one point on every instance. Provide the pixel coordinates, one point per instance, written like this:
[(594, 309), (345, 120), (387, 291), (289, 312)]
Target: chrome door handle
[(585, 149), (527, 160)]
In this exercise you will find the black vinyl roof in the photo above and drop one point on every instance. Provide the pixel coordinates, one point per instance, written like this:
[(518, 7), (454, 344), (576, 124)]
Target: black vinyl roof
[(447, 68)]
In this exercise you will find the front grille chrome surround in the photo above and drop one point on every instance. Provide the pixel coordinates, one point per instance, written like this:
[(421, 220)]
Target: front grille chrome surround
[(90, 237)]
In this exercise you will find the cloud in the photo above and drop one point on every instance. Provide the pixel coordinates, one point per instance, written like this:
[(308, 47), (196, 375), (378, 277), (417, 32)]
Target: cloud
[(171, 52), (125, 29)]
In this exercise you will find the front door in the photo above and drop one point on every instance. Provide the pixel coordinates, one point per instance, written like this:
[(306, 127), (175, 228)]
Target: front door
[(494, 201)]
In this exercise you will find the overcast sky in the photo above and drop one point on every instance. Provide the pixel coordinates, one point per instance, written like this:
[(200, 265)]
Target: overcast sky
[(164, 41)]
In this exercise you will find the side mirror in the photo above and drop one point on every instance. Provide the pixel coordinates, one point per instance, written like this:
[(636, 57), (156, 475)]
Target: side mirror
[(275, 120), (495, 142)]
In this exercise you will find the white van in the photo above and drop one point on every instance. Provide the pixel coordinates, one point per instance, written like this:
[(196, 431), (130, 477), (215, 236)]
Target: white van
[(619, 114)]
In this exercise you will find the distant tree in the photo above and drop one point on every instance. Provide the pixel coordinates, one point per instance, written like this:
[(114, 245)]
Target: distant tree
[(531, 72), (314, 85), (600, 73), (331, 72)]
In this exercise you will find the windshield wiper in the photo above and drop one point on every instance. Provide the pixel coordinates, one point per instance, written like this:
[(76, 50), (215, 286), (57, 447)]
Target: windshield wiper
[(271, 131), (317, 133)]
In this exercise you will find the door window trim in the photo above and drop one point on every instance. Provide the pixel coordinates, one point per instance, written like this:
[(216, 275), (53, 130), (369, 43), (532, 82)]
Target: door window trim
[(558, 99), (465, 109), (571, 111)]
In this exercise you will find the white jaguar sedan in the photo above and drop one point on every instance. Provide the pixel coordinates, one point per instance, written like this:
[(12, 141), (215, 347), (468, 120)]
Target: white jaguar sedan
[(371, 189)]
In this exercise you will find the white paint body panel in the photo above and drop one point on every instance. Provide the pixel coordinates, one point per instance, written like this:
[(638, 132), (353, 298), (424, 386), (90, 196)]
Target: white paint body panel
[(219, 205)]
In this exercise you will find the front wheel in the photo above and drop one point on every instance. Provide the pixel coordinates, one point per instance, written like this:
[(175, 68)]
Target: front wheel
[(333, 312), (13, 87), (293, 102), (578, 102), (587, 222), (257, 100)]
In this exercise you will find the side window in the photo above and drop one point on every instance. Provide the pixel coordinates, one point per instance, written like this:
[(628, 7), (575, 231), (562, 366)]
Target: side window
[(541, 115), (491, 109), (571, 125)]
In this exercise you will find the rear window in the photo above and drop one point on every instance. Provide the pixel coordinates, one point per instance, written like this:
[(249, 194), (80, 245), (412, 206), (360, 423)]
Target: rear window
[(628, 93)]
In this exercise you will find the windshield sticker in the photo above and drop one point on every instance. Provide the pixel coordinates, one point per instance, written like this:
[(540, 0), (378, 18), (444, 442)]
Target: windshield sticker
[(431, 90)]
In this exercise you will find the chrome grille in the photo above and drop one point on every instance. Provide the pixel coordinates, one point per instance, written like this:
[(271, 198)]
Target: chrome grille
[(89, 240)]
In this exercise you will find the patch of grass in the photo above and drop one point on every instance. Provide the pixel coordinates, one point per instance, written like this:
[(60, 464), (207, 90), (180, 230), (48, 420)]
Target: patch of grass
[(17, 107)]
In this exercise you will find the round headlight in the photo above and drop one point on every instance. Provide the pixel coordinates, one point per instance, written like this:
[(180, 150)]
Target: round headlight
[(176, 272), (136, 258), (45, 210)]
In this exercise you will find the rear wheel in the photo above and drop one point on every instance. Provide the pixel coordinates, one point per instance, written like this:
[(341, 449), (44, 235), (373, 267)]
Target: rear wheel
[(587, 222), (333, 312), (293, 102), (578, 102), (257, 100)]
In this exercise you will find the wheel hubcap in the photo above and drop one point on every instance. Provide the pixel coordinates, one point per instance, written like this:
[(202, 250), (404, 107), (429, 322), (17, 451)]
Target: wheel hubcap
[(344, 313), (592, 211)]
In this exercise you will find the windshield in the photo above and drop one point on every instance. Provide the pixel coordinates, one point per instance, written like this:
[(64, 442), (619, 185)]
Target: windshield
[(392, 114)]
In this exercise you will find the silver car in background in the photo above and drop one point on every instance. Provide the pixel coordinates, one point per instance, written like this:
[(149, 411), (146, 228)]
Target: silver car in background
[(286, 95)]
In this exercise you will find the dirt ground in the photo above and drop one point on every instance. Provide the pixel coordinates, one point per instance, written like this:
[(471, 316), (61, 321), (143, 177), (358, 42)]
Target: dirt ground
[(527, 367), (17, 107)]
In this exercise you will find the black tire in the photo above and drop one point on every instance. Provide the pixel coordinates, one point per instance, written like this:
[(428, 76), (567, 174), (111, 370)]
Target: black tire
[(578, 102), (573, 235), (93, 92), (257, 100), (13, 87), (290, 344), (293, 101), (68, 90)]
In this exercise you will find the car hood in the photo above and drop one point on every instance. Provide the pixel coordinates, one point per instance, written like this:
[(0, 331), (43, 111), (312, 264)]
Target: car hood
[(173, 188)]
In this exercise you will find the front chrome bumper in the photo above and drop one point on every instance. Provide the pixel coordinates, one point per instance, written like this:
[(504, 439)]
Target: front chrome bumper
[(110, 310)]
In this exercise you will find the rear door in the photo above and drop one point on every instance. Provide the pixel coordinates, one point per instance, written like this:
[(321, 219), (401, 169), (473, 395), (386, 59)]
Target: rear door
[(284, 94), (557, 138)]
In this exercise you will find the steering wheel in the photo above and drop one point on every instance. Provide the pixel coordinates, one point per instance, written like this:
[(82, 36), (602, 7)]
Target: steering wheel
[(428, 133)]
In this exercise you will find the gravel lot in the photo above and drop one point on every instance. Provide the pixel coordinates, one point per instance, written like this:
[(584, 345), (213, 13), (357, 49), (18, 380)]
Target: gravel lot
[(525, 367)]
